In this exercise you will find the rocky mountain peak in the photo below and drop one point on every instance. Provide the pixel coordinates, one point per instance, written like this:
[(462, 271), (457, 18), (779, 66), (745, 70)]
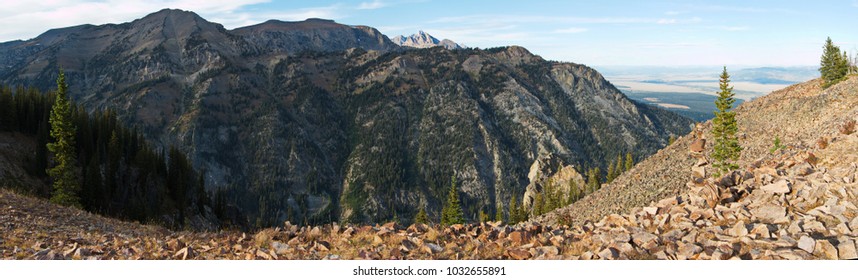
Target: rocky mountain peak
[(423, 40)]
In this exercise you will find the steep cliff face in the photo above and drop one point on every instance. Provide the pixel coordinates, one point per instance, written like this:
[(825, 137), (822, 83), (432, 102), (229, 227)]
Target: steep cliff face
[(315, 121)]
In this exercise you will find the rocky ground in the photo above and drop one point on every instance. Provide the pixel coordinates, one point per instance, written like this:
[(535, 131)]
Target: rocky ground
[(794, 202)]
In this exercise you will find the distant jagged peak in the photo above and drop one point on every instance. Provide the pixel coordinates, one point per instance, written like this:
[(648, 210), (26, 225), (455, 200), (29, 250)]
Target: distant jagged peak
[(423, 40)]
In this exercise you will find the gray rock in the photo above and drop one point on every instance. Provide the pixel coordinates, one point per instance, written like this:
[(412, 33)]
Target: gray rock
[(643, 237), (806, 243), (779, 187), (770, 213)]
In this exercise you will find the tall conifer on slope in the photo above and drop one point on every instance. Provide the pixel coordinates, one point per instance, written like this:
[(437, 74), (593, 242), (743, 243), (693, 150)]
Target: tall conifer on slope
[(834, 65), (724, 128), (66, 184), (452, 212)]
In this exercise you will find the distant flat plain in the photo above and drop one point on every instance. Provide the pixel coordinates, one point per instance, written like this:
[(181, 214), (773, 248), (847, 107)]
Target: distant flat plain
[(691, 90)]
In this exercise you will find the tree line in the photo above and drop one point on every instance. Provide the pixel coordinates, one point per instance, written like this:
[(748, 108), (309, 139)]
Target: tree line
[(95, 163)]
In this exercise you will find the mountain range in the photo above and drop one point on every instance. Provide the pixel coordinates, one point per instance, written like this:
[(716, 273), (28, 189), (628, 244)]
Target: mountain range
[(315, 121)]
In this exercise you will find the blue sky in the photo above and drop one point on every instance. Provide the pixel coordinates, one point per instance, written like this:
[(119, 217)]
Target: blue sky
[(673, 33)]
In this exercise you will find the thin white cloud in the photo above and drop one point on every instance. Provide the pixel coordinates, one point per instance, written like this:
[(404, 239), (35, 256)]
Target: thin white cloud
[(571, 30), (666, 21), (376, 4)]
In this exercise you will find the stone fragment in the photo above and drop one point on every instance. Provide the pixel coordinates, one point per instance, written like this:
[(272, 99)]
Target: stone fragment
[(761, 231), (279, 248), (519, 237), (698, 146), (184, 253), (432, 248), (824, 249), (517, 254), (813, 226), (802, 169), (549, 251), (770, 213), (407, 245), (651, 210), (698, 172), (609, 254), (846, 250), (779, 187), (643, 237), (806, 243), (739, 229)]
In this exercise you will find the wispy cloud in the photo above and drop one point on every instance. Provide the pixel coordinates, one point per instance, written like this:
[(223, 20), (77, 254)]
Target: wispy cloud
[(571, 30), (666, 21), (376, 4)]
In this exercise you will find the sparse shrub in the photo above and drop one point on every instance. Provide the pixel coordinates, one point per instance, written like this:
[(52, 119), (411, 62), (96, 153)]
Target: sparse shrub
[(848, 127), (776, 145)]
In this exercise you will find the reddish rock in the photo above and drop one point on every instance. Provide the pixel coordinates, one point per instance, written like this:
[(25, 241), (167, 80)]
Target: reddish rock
[(698, 146), (517, 254)]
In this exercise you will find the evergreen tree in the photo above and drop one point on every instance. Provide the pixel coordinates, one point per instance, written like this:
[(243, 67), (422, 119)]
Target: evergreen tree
[(452, 213), (514, 215), (671, 140), (499, 213), (593, 180), (66, 186), (630, 162), (574, 193), (834, 65), (538, 204), (611, 173), (421, 217), (724, 128)]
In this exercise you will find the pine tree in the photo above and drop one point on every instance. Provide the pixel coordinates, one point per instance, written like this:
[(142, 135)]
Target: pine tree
[(724, 128), (671, 140), (574, 193), (514, 215), (538, 204), (834, 65), (629, 161), (499, 213), (66, 184), (452, 213), (593, 181), (611, 173), (421, 217)]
